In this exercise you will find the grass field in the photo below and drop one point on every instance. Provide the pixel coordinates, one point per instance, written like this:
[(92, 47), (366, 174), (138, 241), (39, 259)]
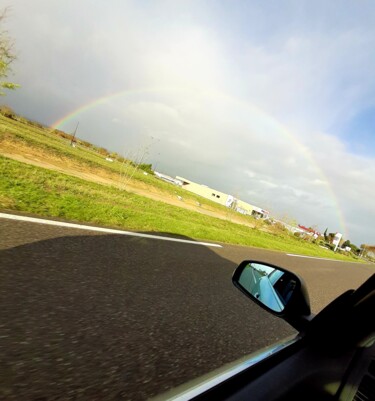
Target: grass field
[(45, 145), (39, 191)]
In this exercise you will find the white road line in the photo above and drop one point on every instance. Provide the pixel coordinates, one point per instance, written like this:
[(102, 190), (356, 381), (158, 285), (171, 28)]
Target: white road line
[(314, 257), (101, 229)]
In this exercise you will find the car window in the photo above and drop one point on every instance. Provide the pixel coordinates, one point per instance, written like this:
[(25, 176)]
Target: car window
[(146, 149)]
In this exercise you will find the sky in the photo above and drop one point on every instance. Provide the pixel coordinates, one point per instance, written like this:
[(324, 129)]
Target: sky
[(272, 102)]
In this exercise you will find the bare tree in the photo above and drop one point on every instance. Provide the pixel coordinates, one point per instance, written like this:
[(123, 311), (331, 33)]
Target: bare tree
[(7, 56)]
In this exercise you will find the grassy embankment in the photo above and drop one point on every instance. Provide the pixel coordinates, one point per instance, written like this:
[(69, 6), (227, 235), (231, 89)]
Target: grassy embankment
[(44, 145), (39, 191)]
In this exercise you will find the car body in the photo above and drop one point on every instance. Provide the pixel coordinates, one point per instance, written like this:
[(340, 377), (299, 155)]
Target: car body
[(331, 358)]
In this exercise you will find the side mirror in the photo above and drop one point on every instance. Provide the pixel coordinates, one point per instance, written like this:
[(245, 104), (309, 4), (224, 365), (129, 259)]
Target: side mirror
[(277, 290)]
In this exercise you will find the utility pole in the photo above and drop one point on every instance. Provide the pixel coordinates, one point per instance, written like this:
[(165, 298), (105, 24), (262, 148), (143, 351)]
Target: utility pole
[(74, 135)]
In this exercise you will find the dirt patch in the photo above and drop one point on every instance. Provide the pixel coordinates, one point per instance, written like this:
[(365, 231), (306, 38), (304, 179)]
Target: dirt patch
[(21, 152)]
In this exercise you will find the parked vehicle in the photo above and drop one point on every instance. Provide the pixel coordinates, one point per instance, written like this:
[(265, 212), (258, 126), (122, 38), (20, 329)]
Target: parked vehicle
[(331, 358)]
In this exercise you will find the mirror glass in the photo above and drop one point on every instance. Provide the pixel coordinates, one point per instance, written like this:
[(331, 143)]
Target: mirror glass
[(270, 286)]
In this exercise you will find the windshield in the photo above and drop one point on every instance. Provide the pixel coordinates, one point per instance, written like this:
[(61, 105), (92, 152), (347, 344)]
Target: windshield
[(146, 149)]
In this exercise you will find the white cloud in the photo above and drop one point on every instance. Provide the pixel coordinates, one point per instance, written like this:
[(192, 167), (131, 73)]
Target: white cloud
[(319, 182), (250, 173), (268, 184)]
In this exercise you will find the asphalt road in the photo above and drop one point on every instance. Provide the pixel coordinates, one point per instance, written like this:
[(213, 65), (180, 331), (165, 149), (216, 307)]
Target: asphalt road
[(91, 316)]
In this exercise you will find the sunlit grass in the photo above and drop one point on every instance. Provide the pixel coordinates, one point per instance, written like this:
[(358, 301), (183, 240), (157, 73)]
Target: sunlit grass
[(39, 191), (56, 147)]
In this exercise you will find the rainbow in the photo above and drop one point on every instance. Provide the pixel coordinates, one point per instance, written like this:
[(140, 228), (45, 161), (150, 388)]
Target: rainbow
[(215, 95)]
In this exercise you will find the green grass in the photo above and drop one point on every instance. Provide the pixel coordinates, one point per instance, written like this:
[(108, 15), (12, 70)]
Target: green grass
[(53, 145), (39, 191)]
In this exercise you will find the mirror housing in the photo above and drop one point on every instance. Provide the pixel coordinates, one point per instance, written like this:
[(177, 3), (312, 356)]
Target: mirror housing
[(276, 290)]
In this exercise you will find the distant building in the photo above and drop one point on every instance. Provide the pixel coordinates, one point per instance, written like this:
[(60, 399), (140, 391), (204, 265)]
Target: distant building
[(167, 178), (370, 250), (222, 198), (310, 231)]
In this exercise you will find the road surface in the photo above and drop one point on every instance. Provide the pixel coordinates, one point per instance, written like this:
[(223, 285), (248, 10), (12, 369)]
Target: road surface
[(91, 316)]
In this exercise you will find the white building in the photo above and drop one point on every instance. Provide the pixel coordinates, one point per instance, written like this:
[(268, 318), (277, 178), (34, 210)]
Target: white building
[(222, 198)]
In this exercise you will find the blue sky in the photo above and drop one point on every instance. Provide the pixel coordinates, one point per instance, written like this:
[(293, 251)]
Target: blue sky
[(269, 101), (359, 133)]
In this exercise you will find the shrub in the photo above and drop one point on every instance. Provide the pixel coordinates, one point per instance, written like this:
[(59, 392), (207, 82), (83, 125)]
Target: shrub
[(146, 167), (103, 151), (62, 134), (6, 111)]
